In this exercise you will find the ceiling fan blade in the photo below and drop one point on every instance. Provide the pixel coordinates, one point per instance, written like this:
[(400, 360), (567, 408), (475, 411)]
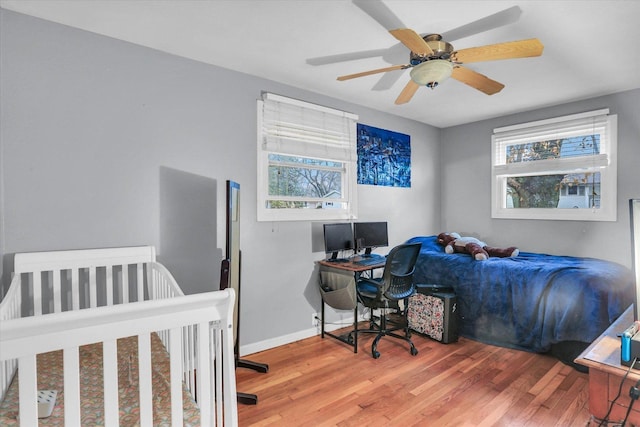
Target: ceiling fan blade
[(343, 57), (499, 19), (368, 73), (509, 50), (380, 13), (412, 40), (476, 80), (407, 93)]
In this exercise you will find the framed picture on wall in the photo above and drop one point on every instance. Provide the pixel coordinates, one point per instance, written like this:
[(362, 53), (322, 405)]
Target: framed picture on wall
[(384, 157)]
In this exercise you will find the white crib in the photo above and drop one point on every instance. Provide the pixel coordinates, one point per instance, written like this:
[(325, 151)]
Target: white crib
[(67, 300)]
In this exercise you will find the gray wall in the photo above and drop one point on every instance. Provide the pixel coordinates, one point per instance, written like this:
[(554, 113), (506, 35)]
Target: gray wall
[(466, 187), (1, 205), (99, 136)]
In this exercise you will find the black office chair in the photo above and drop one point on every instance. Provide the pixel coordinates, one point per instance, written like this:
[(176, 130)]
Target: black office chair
[(384, 293)]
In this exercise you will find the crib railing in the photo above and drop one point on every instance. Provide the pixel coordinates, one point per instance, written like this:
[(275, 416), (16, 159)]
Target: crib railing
[(9, 309), (161, 285), (105, 280), (51, 282), (209, 314)]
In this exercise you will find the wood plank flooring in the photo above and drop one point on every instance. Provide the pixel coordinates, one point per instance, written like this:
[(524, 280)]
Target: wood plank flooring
[(321, 382)]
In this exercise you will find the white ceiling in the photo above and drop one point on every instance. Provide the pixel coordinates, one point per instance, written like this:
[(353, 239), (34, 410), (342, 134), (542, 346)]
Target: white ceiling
[(591, 47)]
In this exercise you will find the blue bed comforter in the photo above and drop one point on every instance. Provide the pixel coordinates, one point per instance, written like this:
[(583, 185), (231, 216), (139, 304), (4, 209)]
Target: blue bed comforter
[(532, 301)]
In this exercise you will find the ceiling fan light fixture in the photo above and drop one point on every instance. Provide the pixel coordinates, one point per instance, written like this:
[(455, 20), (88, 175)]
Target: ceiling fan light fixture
[(431, 73)]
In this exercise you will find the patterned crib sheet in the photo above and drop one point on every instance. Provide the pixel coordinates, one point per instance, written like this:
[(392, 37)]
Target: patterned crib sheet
[(50, 377)]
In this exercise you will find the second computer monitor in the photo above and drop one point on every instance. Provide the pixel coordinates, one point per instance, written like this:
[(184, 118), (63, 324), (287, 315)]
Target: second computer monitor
[(370, 235)]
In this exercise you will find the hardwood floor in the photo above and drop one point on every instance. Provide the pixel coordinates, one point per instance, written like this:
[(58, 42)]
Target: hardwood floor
[(321, 382)]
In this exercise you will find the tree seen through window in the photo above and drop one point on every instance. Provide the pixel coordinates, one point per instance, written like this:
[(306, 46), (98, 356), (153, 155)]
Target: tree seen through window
[(291, 176), (545, 190)]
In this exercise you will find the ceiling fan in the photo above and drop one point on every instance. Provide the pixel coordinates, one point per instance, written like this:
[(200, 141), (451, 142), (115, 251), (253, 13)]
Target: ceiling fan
[(433, 59)]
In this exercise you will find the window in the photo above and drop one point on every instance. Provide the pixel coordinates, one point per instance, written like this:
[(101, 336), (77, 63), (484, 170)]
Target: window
[(562, 168), (306, 161)]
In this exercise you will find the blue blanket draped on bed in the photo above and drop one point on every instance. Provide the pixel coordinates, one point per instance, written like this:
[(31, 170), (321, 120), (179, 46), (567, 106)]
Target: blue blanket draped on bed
[(531, 301)]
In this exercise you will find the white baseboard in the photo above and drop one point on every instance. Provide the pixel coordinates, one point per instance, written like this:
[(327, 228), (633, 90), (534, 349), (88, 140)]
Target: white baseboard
[(286, 339)]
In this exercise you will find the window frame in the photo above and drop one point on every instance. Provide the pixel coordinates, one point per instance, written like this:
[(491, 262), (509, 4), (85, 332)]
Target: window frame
[(605, 162), (348, 174)]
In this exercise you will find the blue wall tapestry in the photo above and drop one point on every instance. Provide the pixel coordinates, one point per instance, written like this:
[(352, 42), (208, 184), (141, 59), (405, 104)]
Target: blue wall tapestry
[(384, 157)]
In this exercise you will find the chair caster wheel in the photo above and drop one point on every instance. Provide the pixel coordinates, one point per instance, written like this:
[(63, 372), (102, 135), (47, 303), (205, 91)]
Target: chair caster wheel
[(350, 339), (375, 354), (414, 351)]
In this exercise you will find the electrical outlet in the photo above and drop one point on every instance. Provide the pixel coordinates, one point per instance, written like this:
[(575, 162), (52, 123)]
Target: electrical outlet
[(315, 319)]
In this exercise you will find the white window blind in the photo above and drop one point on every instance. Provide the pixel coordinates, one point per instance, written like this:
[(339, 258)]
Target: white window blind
[(306, 161)]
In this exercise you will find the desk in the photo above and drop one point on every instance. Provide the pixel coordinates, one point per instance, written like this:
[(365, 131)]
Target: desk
[(602, 358), (341, 279)]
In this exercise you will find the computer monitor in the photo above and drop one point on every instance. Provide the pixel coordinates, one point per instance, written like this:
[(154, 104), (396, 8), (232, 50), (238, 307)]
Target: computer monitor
[(337, 237), (370, 235)]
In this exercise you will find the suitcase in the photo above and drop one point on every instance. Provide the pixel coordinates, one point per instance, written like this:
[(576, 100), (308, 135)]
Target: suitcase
[(432, 311)]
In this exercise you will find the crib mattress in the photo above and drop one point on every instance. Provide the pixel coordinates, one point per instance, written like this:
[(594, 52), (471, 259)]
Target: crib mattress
[(50, 377)]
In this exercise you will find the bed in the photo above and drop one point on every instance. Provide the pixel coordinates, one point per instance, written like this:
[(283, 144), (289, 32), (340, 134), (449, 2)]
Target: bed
[(534, 302), (110, 335)]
